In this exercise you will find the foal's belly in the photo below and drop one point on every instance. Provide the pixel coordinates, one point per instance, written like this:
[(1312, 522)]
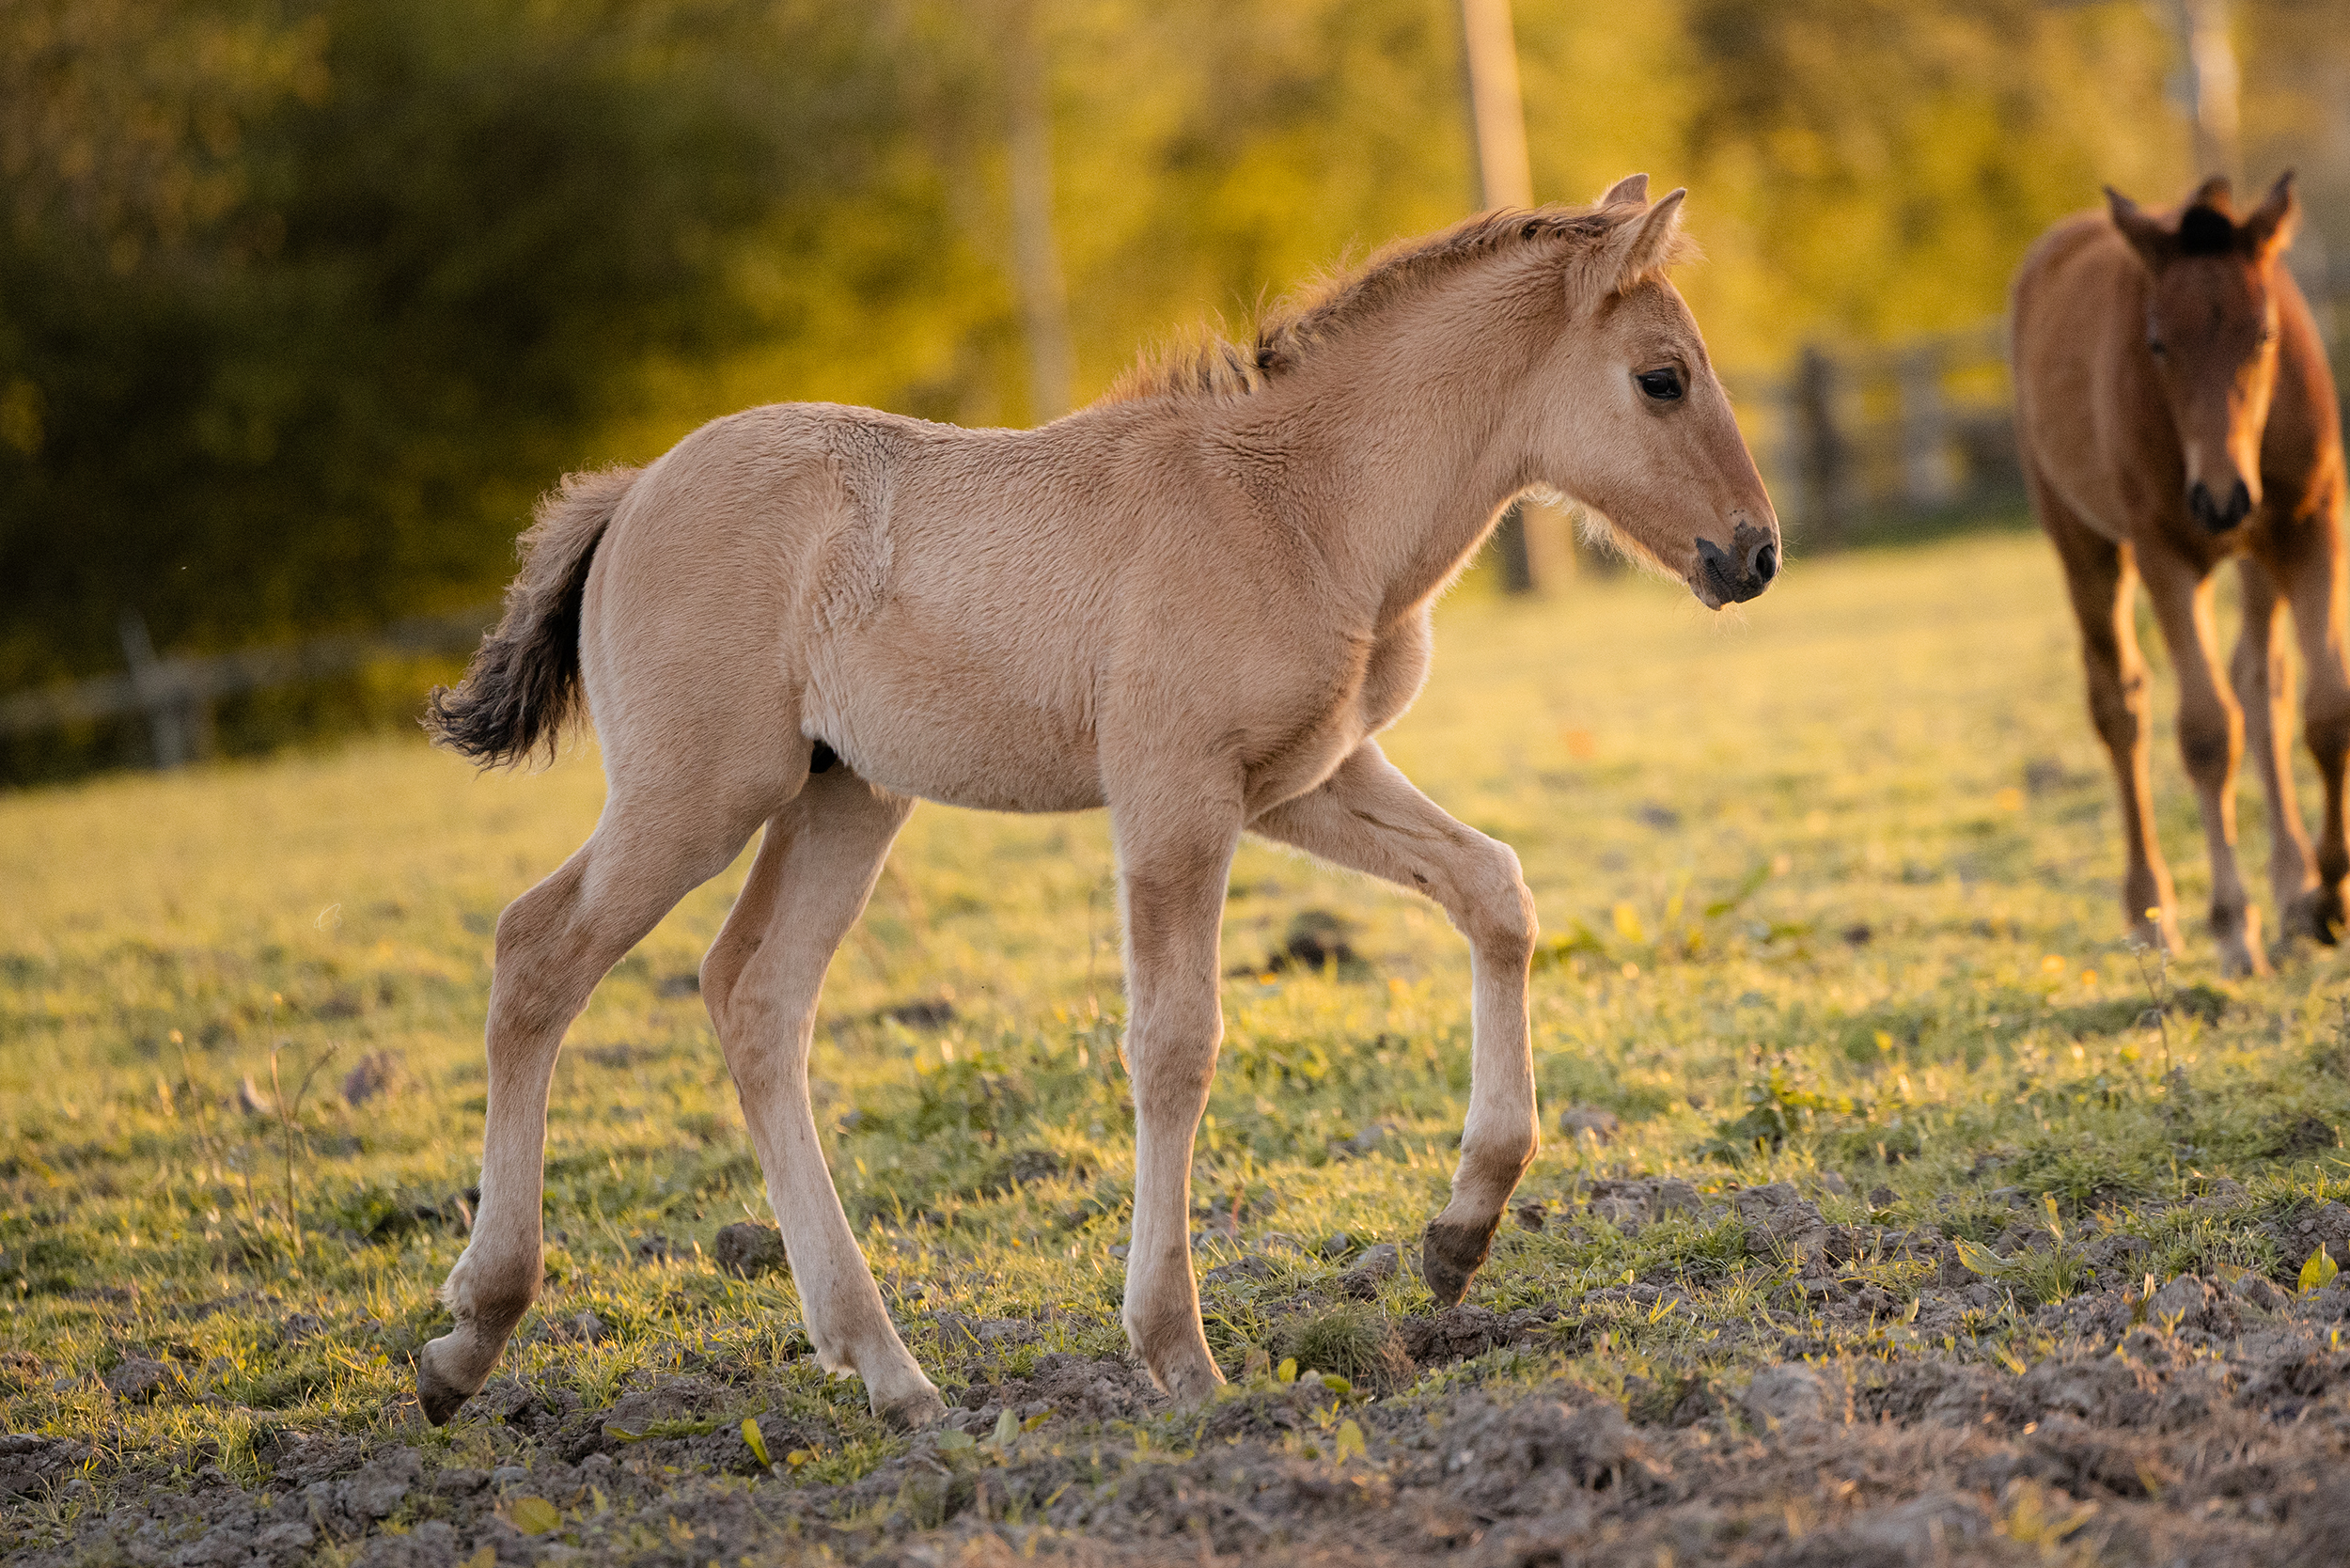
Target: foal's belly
[(960, 743)]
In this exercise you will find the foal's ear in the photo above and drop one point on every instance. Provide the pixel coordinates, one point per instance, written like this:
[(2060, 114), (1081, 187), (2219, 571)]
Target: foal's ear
[(2270, 226), (1631, 188), (1640, 244), (2155, 246), (1648, 240)]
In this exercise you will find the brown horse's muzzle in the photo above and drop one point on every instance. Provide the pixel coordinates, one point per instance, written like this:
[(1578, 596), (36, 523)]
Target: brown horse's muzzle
[(2216, 514), (1741, 573)]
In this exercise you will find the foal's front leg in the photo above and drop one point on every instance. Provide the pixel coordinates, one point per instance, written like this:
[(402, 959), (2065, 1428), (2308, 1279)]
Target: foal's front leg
[(1368, 817), (2261, 692), (1174, 859), (2211, 742)]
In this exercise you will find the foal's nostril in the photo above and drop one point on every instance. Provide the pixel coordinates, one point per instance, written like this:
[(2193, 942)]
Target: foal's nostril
[(2206, 511), (2211, 514), (1765, 564), (1721, 570)]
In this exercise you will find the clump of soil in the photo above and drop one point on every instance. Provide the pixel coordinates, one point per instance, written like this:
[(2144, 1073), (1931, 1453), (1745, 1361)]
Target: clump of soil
[(1316, 940), (748, 1250), (1352, 1340)]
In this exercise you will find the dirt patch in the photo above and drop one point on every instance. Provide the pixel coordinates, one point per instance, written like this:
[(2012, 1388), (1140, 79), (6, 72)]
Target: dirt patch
[(2195, 1424)]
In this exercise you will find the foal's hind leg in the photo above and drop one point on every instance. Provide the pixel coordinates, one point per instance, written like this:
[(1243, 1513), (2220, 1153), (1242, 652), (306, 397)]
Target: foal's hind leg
[(815, 870), (2211, 742), (554, 944), (2262, 692), (2313, 567), (1368, 817)]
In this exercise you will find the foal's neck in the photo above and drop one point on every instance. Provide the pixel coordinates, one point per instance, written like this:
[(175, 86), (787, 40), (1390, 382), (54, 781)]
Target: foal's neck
[(1409, 426)]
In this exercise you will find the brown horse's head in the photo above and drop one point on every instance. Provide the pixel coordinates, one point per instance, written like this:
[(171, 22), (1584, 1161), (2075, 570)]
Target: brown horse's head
[(1638, 425), (2211, 330)]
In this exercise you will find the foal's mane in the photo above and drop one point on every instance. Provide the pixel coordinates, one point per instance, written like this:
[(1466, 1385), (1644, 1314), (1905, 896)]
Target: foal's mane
[(1213, 366)]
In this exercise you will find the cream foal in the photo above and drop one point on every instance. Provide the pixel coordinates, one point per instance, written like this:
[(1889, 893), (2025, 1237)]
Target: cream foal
[(1193, 603)]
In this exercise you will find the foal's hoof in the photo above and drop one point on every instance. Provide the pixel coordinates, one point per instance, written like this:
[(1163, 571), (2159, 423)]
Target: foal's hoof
[(436, 1395), (1450, 1255), (2240, 947), (2238, 960), (2317, 914), (1189, 1380), (914, 1412)]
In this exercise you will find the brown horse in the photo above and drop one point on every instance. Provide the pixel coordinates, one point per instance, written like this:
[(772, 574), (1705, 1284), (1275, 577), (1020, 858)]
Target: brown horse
[(2174, 410), (1196, 603)]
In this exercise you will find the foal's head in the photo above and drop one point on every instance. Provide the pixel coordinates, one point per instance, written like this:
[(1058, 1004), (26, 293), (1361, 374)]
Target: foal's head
[(2211, 328), (1634, 421)]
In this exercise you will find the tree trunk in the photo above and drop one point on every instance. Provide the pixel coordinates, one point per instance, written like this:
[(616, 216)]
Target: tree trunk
[(1036, 255)]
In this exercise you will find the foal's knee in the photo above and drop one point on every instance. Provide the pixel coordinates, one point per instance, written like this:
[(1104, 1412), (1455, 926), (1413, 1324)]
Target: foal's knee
[(1498, 914), (1172, 1056), (2209, 745), (2327, 730), (2116, 701)]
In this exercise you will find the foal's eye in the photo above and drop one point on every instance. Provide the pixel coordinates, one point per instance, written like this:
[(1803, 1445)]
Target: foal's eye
[(1664, 385)]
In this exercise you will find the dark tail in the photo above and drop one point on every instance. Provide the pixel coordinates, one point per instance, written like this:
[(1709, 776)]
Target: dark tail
[(522, 685)]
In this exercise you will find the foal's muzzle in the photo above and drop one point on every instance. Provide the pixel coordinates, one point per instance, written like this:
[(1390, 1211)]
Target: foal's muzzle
[(1742, 572), (2214, 517)]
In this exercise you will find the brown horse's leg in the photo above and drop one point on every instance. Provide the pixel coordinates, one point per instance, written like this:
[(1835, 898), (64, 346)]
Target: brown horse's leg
[(761, 981), (2314, 571), (2211, 742), (2101, 578), (1174, 859), (1368, 817), (2262, 693), (554, 944)]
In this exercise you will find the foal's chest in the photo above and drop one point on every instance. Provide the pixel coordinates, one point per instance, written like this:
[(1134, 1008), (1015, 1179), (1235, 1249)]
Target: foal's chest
[(1356, 687)]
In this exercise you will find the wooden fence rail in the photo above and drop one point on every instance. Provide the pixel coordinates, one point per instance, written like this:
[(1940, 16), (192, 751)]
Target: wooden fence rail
[(1852, 438), (174, 695)]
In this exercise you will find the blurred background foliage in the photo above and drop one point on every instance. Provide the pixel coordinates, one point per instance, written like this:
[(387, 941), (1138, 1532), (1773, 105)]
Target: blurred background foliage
[(300, 301)]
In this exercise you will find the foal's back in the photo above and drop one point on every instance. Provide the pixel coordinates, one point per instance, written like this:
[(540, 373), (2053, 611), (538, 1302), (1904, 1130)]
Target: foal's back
[(947, 606)]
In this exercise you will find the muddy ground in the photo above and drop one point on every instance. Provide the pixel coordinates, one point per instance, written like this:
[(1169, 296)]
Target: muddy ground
[(2206, 1425)]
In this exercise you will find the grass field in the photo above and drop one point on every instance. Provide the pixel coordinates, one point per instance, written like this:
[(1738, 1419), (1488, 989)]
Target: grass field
[(1829, 898)]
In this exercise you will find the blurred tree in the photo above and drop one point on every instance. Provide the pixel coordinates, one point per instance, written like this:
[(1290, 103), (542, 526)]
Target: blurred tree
[(302, 300), (1866, 167), (2295, 111), (299, 304), (1879, 165)]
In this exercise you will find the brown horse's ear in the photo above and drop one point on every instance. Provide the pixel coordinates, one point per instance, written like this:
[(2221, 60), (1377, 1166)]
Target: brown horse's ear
[(1631, 188), (2155, 244), (2270, 226)]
